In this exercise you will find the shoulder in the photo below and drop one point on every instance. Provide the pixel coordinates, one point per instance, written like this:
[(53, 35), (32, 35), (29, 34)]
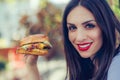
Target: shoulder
[(116, 60), (114, 69)]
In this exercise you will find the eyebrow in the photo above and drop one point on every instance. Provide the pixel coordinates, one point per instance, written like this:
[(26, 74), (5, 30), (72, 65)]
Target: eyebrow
[(70, 23), (83, 22), (87, 22)]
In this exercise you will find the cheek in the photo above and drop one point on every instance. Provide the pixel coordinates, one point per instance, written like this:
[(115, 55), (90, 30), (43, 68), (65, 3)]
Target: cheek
[(97, 36), (100, 38), (71, 37)]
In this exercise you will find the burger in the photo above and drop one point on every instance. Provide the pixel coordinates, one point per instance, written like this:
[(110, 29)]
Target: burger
[(37, 44)]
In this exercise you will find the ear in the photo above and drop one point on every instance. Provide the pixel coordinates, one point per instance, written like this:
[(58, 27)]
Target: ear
[(117, 38)]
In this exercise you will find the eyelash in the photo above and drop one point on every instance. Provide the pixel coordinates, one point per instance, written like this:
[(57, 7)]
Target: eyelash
[(89, 26), (72, 28)]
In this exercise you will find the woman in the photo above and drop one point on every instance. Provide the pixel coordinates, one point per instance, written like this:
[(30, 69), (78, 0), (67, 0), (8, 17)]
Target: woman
[(90, 41)]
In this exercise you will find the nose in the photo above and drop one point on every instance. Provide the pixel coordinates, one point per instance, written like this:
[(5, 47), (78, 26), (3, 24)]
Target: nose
[(80, 36)]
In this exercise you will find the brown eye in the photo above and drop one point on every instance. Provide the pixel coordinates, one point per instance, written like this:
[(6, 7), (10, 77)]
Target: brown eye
[(72, 28)]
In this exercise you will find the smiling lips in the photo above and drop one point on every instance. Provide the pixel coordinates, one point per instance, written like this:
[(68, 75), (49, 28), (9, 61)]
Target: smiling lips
[(84, 46)]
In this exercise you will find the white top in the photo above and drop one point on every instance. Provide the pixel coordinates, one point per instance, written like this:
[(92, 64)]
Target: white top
[(114, 70)]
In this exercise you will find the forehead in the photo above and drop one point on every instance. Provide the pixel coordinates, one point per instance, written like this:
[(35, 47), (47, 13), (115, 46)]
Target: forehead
[(78, 14)]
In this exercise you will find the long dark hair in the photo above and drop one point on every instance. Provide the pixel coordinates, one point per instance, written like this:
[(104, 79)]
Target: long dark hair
[(79, 68)]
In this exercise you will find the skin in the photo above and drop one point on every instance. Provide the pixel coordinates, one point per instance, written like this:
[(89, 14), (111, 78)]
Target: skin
[(31, 64), (84, 33)]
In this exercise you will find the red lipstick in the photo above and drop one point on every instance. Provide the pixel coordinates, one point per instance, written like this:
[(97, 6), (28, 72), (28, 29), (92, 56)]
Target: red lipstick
[(84, 46)]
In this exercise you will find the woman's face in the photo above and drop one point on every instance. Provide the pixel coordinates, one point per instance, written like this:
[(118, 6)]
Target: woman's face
[(84, 33)]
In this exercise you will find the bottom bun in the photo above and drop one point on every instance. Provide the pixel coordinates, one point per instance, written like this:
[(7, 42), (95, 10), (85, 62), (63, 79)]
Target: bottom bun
[(33, 52)]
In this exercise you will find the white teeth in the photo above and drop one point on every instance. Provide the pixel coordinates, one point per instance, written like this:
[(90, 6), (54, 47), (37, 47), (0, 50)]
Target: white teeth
[(83, 46)]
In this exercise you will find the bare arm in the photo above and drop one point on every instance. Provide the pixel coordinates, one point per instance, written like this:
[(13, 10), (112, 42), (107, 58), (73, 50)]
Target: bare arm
[(31, 65)]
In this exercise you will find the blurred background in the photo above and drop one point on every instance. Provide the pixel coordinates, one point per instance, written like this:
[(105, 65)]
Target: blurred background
[(20, 18)]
